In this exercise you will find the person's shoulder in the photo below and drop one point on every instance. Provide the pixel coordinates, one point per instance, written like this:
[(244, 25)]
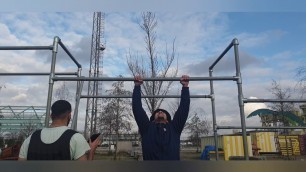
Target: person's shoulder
[(78, 137)]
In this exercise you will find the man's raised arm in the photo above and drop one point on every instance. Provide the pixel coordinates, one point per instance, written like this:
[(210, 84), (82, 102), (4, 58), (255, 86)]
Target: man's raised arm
[(181, 114), (140, 115)]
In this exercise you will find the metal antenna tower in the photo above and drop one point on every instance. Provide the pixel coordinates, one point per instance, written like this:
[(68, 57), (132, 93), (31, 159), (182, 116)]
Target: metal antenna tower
[(96, 70)]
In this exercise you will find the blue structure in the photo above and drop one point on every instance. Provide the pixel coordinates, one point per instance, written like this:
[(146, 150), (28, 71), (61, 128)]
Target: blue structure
[(205, 153)]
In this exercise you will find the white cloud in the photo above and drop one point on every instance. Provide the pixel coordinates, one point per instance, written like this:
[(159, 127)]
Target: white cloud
[(259, 39), (19, 98)]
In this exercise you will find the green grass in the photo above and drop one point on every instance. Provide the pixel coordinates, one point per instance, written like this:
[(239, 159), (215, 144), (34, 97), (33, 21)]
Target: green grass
[(124, 156), (190, 155), (121, 156)]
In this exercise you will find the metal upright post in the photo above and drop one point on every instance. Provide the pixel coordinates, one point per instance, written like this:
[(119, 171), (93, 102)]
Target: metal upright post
[(213, 96), (51, 82), (77, 101), (214, 114), (240, 100)]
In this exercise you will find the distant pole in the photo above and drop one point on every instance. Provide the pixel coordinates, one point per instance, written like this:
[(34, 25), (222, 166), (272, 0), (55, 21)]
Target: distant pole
[(94, 105)]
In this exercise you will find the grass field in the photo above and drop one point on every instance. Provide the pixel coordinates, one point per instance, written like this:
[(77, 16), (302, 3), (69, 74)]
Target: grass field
[(124, 156)]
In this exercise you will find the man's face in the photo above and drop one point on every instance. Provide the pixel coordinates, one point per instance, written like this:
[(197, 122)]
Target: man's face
[(160, 116)]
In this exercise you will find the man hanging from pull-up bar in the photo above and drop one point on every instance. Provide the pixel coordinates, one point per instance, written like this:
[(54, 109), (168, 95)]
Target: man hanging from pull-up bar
[(160, 135)]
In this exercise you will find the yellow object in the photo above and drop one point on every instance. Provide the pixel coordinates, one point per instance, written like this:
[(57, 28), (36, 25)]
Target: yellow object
[(266, 141), (289, 145), (233, 146)]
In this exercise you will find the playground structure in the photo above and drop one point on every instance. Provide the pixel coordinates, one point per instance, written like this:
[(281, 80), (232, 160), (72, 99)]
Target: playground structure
[(53, 77)]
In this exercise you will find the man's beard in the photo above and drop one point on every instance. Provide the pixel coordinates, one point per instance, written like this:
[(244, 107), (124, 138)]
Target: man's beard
[(68, 121), (160, 119)]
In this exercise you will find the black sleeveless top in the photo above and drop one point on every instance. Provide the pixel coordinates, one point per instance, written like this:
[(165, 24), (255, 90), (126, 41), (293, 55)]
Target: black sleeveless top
[(59, 150)]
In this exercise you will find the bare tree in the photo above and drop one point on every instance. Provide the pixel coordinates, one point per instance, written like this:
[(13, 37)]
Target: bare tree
[(281, 93), (153, 65), (300, 74), (197, 127), (116, 113)]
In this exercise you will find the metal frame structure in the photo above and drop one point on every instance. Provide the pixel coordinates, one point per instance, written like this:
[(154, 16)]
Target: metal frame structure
[(241, 101), (211, 78), (80, 79), (56, 41)]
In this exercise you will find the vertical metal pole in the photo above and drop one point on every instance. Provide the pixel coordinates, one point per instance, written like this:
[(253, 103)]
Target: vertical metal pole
[(77, 101), (51, 82), (94, 117), (214, 114), (240, 98), (86, 120)]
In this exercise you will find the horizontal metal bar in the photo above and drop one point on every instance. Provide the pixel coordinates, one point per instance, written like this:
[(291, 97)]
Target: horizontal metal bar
[(43, 73), (16, 129), (26, 47), (259, 127), (144, 79), (145, 96), (4, 121), (273, 100), (6, 127)]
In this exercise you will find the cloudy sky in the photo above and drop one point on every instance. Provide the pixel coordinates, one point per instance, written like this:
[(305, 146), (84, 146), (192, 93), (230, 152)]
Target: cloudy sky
[(271, 45)]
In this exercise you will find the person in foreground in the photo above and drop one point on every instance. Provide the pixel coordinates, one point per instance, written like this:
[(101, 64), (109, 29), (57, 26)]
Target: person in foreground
[(160, 135), (58, 142)]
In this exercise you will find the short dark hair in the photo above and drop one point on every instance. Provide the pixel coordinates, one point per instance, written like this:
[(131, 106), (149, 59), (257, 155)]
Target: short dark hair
[(60, 108)]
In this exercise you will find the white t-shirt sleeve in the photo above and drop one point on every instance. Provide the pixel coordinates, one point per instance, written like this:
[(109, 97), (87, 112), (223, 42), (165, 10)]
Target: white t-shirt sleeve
[(24, 148), (78, 146)]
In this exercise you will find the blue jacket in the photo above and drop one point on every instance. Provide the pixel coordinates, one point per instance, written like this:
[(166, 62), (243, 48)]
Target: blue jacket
[(161, 141)]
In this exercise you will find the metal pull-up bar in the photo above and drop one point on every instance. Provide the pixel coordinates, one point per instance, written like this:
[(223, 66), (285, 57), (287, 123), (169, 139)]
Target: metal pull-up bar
[(257, 127), (145, 96), (274, 100), (35, 74), (26, 47), (220, 78)]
